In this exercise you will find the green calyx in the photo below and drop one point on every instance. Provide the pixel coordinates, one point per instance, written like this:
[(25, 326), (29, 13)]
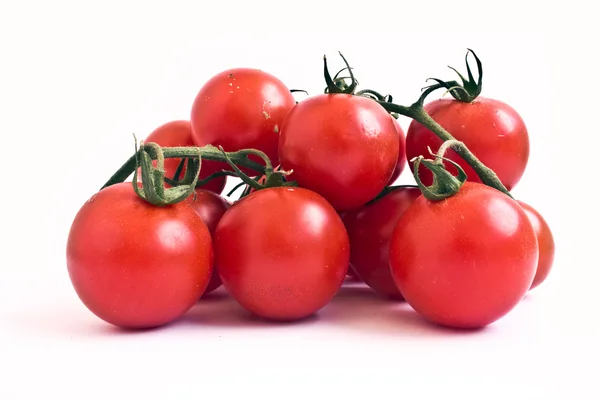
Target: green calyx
[(468, 89), (444, 183), (273, 177), (337, 84), (153, 178)]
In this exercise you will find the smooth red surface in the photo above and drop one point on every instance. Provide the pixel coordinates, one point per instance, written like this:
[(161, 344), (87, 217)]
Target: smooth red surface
[(401, 163), (239, 109), (545, 244), (211, 207), (177, 134), (465, 261), (341, 146), (135, 265), (491, 129), (370, 229), (282, 253)]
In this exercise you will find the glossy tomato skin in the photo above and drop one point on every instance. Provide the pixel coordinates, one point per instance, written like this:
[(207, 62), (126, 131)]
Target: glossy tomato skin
[(466, 261), (401, 163), (241, 108), (211, 207), (282, 253), (178, 134), (343, 147), (370, 229), (135, 265), (545, 243), (491, 129)]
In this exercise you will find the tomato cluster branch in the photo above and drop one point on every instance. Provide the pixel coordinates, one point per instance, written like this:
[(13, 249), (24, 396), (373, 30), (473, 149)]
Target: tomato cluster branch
[(388, 189), (466, 92), (417, 112), (153, 178), (272, 177), (201, 182), (207, 152), (444, 183)]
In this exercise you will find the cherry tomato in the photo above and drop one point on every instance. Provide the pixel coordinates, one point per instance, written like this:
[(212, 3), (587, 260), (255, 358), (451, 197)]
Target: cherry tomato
[(342, 146), (401, 163), (282, 252), (211, 207), (370, 229), (241, 108), (491, 129), (464, 261), (177, 134), (545, 243), (136, 265)]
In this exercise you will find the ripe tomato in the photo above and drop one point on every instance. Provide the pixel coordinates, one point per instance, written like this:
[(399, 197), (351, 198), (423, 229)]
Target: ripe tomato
[(342, 146), (370, 229), (464, 261), (401, 163), (241, 108), (179, 133), (545, 243), (491, 129), (136, 265), (282, 252), (211, 207)]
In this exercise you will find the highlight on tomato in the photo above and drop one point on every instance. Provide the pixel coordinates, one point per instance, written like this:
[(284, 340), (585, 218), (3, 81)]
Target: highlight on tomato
[(463, 254), (491, 129), (343, 146)]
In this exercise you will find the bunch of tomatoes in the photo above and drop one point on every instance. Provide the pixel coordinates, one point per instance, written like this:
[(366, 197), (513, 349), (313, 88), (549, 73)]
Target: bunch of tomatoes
[(317, 204)]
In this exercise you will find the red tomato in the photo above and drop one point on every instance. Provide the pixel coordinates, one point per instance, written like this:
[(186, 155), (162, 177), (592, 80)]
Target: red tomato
[(401, 163), (136, 265), (467, 260), (211, 207), (179, 133), (342, 146), (545, 243), (492, 130), (239, 109), (282, 252), (370, 229)]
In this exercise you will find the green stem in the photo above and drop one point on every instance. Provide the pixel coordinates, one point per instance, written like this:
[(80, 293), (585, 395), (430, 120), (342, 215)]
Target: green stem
[(388, 189), (418, 113), (207, 152)]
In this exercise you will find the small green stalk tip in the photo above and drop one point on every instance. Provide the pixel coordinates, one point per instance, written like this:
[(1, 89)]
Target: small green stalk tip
[(444, 183)]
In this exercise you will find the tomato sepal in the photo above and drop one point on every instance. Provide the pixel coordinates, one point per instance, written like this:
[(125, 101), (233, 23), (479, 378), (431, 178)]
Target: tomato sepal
[(444, 183), (274, 177), (337, 85), (152, 187), (469, 88)]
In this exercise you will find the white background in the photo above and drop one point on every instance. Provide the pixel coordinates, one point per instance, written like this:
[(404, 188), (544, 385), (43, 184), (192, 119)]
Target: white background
[(78, 78)]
